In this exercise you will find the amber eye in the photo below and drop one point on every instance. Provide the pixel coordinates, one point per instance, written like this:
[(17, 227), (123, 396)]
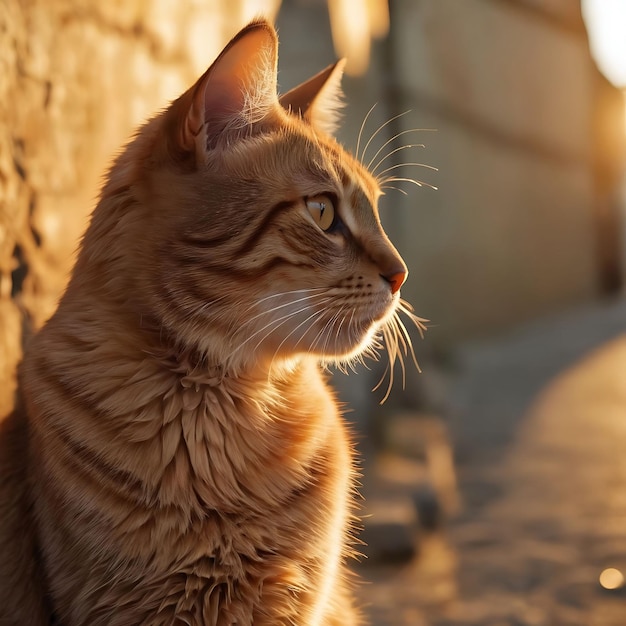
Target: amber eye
[(322, 210)]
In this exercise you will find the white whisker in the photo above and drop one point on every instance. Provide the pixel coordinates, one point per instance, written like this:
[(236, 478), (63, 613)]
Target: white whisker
[(273, 325), (280, 345), (378, 130), (288, 293), (394, 151), (397, 165), (236, 323), (206, 305), (358, 141), (402, 191), (419, 183), (285, 304), (329, 325), (399, 345), (391, 139)]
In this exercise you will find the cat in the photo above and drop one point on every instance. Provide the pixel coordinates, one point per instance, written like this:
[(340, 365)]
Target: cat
[(176, 455)]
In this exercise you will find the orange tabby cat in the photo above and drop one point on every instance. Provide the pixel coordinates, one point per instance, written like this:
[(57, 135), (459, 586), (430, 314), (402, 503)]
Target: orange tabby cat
[(176, 456)]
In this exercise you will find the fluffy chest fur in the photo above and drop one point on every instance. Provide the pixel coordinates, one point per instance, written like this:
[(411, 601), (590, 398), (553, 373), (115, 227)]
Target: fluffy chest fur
[(220, 502)]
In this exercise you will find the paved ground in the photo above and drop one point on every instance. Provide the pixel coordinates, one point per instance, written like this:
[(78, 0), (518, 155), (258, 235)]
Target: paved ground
[(539, 423)]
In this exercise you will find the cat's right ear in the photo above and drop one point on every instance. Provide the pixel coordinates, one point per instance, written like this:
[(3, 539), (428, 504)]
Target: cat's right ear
[(318, 100), (239, 89)]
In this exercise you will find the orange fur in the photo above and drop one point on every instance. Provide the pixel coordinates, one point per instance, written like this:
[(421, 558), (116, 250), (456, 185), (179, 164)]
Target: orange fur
[(177, 457)]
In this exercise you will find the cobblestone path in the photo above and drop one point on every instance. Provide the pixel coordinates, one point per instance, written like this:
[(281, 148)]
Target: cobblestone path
[(539, 420)]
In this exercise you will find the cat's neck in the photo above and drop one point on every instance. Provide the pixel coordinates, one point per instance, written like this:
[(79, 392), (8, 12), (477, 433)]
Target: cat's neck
[(138, 336), (173, 415), (201, 368)]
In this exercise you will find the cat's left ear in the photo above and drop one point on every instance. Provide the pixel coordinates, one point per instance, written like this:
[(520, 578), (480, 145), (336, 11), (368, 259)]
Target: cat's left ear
[(238, 90), (318, 100)]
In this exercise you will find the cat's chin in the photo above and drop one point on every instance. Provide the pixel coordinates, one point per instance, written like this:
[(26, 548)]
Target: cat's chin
[(353, 344)]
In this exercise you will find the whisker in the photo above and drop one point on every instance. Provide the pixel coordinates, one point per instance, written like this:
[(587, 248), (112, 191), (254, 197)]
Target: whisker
[(340, 363), (236, 323), (358, 141), (378, 130), (285, 304), (319, 335), (333, 332), (397, 165), (402, 191), (408, 344), (399, 345), (420, 322), (406, 146), (267, 334), (419, 183), (278, 322), (391, 139), (287, 293), (209, 303), (280, 345), (341, 323), (391, 352)]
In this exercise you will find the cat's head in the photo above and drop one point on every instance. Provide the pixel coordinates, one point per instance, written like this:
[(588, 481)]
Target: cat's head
[(251, 234)]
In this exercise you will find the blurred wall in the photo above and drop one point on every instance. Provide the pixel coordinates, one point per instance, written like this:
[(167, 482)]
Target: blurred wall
[(513, 231)]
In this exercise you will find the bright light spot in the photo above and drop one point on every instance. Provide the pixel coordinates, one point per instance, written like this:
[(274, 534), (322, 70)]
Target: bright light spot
[(606, 25), (353, 24), (611, 578)]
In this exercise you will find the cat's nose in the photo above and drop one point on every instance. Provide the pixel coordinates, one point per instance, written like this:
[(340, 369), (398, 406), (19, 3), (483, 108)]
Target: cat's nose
[(395, 278)]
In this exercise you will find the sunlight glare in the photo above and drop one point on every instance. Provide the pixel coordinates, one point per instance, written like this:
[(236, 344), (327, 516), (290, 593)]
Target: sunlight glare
[(606, 25), (354, 23)]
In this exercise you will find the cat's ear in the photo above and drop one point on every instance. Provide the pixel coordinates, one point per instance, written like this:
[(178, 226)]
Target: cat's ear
[(318, 100), (239, 88)]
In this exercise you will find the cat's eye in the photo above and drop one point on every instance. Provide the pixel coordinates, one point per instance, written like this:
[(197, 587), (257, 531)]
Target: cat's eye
[(322, 210)]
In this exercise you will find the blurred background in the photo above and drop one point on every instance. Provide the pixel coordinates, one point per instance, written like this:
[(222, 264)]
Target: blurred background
[(510, 116)]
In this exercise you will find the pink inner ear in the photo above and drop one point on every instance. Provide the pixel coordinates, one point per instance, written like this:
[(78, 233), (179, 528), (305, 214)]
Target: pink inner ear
[(219, 101), (244, 75)]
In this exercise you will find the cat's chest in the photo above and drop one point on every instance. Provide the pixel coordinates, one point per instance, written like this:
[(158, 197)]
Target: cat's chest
[(235, 565), (240, 511), (237, 452)]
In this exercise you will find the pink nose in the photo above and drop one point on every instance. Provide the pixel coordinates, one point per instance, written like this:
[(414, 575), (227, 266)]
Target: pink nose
[(396, 280)]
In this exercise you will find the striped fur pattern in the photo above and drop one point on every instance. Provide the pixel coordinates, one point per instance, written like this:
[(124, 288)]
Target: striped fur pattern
[(177, 456)]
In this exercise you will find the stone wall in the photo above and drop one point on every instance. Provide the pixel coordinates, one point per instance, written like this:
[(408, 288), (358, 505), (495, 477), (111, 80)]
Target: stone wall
[(76, 76)]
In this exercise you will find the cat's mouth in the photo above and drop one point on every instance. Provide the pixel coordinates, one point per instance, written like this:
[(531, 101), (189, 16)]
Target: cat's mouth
[(385, 332), (347, 330)]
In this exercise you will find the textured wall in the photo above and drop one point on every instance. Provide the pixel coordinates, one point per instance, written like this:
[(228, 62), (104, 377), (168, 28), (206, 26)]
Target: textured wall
[(76, 76)]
